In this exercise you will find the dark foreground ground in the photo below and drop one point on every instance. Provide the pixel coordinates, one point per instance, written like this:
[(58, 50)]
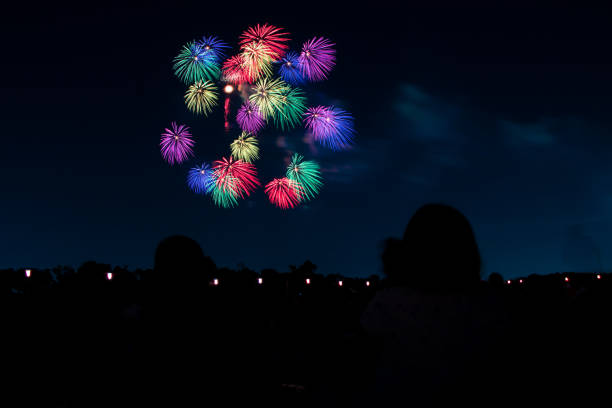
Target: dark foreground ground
[(77, 339)]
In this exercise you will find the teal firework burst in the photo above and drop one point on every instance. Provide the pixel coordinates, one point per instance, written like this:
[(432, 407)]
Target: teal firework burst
[(307, 173), (224, 194), (291, 111), (195, 63)]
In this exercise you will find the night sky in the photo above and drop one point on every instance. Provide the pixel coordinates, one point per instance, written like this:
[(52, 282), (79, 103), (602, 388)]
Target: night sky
[(502, 112)]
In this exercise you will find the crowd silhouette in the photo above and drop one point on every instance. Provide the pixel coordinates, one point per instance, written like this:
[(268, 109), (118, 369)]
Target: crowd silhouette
[(431, 332)]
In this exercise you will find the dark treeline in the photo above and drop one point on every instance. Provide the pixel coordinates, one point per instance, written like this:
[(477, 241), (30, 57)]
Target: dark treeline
[(431, 332)]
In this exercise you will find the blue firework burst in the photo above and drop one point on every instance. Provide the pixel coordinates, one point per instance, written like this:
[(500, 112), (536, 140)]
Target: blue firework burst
[(290, 71), (200, 180)]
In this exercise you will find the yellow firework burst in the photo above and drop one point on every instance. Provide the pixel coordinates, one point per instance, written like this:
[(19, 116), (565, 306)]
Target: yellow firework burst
[(201, 97), (269, 96), (245, 148)]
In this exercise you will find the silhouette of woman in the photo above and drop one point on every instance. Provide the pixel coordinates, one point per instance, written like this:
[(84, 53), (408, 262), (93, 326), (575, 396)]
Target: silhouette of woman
[(429, 320)]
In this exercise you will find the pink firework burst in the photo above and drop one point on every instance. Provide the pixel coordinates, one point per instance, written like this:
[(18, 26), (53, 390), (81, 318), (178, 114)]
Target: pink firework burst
[(176, 144), (317, 59), (249, 118), (235, 175), (284, 193), (272, 37), (234, 70)]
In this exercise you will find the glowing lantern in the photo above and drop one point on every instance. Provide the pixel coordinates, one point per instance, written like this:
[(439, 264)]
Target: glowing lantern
[(598, 276), (109, 275), (260, 281), (28, 273), (509, 281), (216, 282), (308, 281), (367, 283), (520, 281), (339, 283), (566, 279)]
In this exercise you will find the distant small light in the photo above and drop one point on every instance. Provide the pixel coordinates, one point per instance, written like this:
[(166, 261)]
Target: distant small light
[(260, 280), (308, 281), (109, 275), (339, 283), (520, 281), (508, 281), (566, 279), (598, 276), (367, 283), (228, 89), (28, 273), (216, 282)]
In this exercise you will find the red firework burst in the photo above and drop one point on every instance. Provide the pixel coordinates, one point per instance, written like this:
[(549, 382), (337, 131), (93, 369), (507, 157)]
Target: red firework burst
[(235, 175), (272, 37), (234, 70), (284, 193)]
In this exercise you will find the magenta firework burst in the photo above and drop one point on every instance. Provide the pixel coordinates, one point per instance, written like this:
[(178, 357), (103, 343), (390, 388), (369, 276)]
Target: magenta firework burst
[(249, 118), (176, 144), (317, 59)]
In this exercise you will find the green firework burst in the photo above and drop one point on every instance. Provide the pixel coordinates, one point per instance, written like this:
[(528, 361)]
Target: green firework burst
[(307, 173)]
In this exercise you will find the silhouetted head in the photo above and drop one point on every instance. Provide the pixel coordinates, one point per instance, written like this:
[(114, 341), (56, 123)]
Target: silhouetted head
[(179, 259), (438, 252), (496, 280)]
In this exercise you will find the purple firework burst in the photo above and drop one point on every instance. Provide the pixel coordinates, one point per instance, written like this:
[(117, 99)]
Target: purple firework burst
[(176, 144), (317, 58), (249, 118), (330, 126)]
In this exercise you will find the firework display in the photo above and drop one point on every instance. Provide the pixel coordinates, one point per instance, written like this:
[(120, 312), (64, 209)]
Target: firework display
[(176, 144), (270, 81)]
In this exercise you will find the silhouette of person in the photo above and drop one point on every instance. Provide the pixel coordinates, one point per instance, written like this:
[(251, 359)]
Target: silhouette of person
[(429, 320)]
